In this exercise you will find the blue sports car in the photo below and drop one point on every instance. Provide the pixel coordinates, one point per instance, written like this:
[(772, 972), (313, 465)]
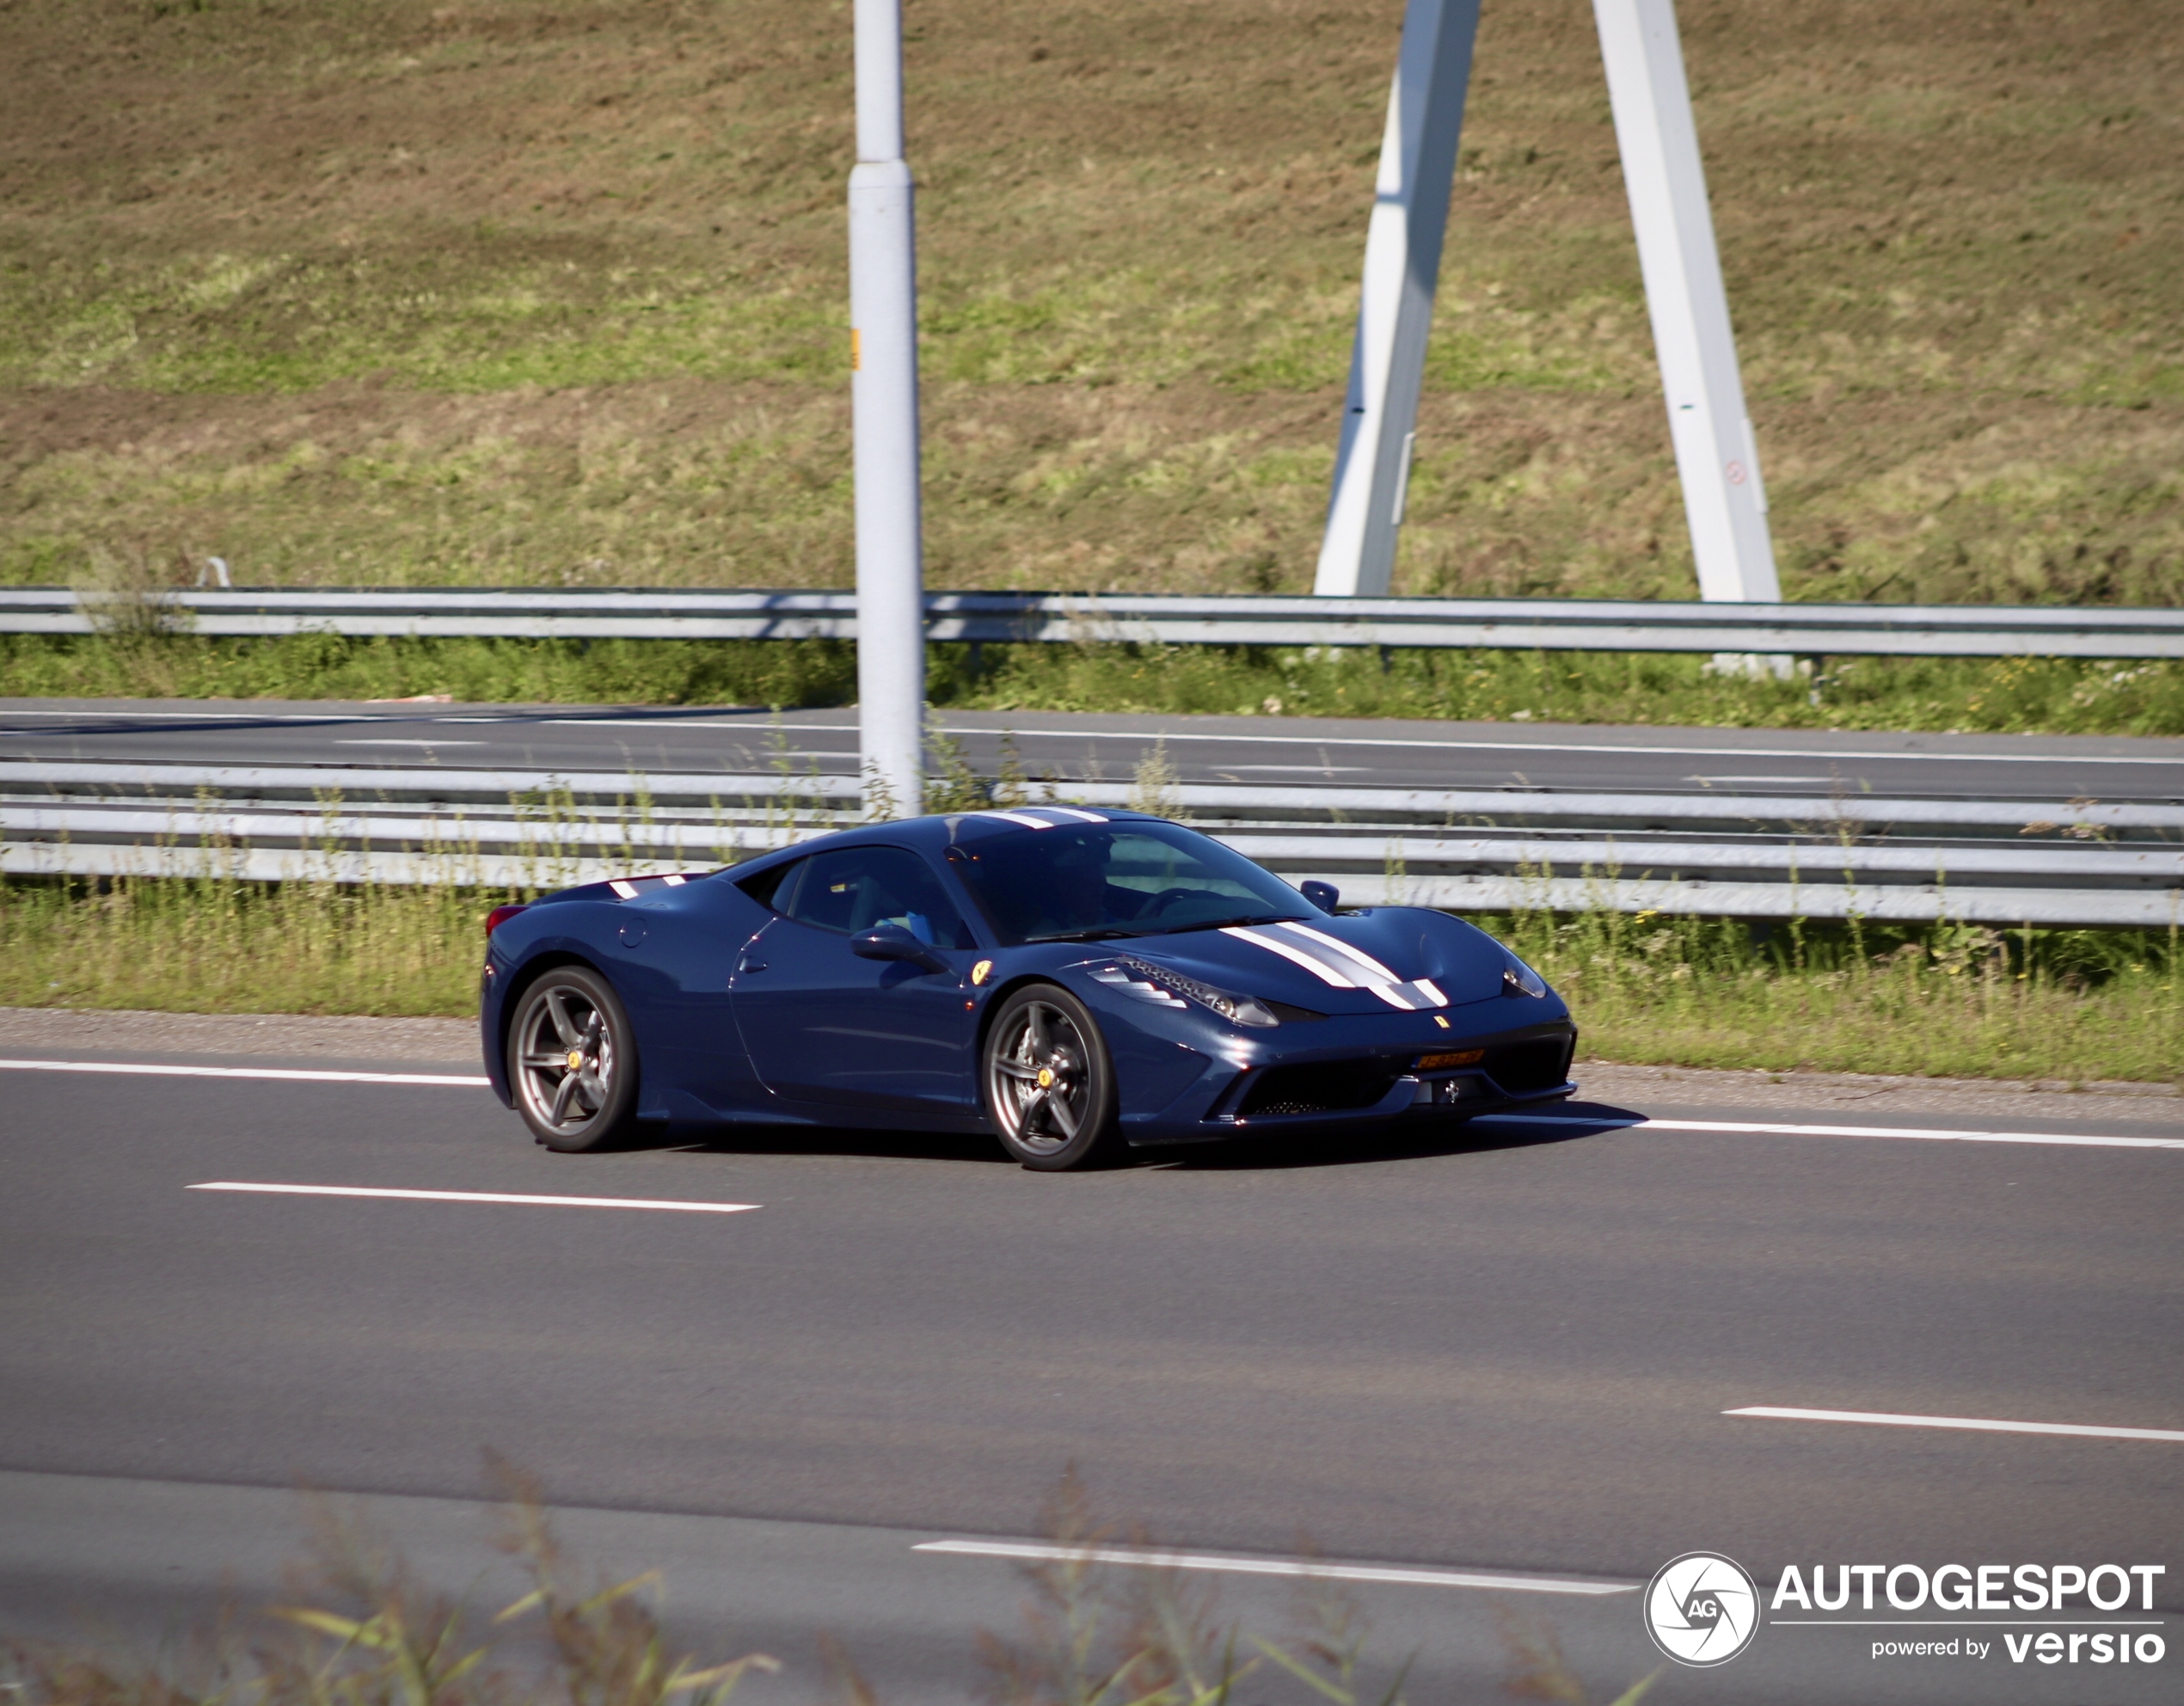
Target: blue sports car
[(1072, 981)]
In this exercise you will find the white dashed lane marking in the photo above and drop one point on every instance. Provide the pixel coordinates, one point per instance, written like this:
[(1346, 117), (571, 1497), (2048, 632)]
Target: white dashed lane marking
[(474, 1196), (1884, 1419), (1313, 1569), (297, 1075)]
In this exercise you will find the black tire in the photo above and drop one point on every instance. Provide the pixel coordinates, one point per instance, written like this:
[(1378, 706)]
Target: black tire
[(571, 1014), (1048, 1084)]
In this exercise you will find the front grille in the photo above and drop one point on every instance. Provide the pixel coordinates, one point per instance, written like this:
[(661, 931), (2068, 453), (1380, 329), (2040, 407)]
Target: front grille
[(1539, 1065), (1331, 1087)]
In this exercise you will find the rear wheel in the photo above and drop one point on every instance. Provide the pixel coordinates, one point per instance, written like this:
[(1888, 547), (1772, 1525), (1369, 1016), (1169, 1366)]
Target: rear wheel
[(1049, 1085), (573, 1062)]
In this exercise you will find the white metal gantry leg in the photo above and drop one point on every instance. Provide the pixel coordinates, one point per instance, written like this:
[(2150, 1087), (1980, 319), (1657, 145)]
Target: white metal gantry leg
[(1717, 457), (1395, 307), (883, 344)]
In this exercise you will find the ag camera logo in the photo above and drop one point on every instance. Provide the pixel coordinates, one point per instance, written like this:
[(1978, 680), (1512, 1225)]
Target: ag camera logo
[(1701, 1608)]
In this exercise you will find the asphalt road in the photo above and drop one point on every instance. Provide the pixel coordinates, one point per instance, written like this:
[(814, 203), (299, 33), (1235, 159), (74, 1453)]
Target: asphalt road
[(1274, 750), (1505, 1352)]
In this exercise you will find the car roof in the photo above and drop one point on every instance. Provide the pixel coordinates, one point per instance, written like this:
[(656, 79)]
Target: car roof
[(935, 833)]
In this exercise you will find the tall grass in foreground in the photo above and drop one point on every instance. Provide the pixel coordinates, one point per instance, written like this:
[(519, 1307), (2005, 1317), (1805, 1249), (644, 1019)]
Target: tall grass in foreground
[(1944, 999), (368, 1632)]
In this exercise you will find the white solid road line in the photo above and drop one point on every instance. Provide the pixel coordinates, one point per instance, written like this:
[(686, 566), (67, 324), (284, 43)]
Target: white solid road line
[(1282, 1567), (283, 1074), (204, 716), (1881, 1419), (2076, 1139), (459, 1081), (475, 1196)]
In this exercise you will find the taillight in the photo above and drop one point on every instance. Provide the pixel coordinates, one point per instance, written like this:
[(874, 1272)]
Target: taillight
[(499, 915)]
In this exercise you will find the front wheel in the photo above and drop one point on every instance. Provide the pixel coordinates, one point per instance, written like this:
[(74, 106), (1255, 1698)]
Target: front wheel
[(1049, 1084), (572, 1061)]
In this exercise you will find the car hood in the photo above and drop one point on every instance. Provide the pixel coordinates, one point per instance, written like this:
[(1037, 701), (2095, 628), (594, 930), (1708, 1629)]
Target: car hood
[(1391, 958)]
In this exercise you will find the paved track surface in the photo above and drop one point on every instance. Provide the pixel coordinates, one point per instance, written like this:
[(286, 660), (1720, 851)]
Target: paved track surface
[(1507, 1351), (1275, 750)]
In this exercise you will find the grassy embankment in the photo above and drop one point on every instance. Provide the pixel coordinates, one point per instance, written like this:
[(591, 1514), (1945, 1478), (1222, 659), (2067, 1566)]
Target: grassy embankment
[(427, 292)]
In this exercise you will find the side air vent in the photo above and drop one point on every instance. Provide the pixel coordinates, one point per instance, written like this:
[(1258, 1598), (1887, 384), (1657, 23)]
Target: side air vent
[(1539, 1065)]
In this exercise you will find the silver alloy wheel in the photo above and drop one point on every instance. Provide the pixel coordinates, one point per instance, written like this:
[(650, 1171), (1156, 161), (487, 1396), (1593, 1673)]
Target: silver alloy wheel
[(565, 1055), (1037, 1081)]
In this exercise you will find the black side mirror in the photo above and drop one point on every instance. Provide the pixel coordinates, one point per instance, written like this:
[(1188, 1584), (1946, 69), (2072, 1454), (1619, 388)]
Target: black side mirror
[(893, 941), (1323, 895)]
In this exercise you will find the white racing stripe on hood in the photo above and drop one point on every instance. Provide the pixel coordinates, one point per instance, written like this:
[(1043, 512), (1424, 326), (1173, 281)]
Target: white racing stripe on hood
[(1316, 964), (1379, 972), (1023, 818), (1312, 953)]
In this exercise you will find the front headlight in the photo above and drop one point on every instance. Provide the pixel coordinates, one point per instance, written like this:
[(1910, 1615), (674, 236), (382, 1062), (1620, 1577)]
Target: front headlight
[(1518, 979), (1165, 988)]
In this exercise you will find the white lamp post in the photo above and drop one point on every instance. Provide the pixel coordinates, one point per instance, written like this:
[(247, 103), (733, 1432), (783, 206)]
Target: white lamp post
[(883, 344)]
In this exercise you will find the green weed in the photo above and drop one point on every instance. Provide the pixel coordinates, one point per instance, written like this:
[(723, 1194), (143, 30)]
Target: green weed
[(1945, 1000)]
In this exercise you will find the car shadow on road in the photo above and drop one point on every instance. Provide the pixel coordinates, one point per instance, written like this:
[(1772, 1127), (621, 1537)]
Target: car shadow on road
[(1272, 1151), (830, 1140), (1569, 1122)]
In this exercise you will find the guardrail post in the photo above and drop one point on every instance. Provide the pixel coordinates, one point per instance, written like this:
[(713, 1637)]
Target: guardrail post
[(1402, 264), (883, 359), (1717, 457)]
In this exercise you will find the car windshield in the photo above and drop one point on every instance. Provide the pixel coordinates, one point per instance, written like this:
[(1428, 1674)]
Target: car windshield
[(1117, 880)]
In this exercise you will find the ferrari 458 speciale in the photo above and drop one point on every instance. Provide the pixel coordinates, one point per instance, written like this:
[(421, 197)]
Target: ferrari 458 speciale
[(1075, 982)]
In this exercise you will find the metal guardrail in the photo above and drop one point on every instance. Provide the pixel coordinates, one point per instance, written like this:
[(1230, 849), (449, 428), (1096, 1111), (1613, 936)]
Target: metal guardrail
[(1997, 862), (1908, 630), (619, 793)]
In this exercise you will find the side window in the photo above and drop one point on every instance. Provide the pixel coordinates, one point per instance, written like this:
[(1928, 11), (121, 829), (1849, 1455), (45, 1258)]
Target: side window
[(774, 887), (857, 887)]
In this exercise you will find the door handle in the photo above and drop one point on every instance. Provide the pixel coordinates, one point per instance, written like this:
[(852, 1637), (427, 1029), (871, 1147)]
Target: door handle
[(747, 964)]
